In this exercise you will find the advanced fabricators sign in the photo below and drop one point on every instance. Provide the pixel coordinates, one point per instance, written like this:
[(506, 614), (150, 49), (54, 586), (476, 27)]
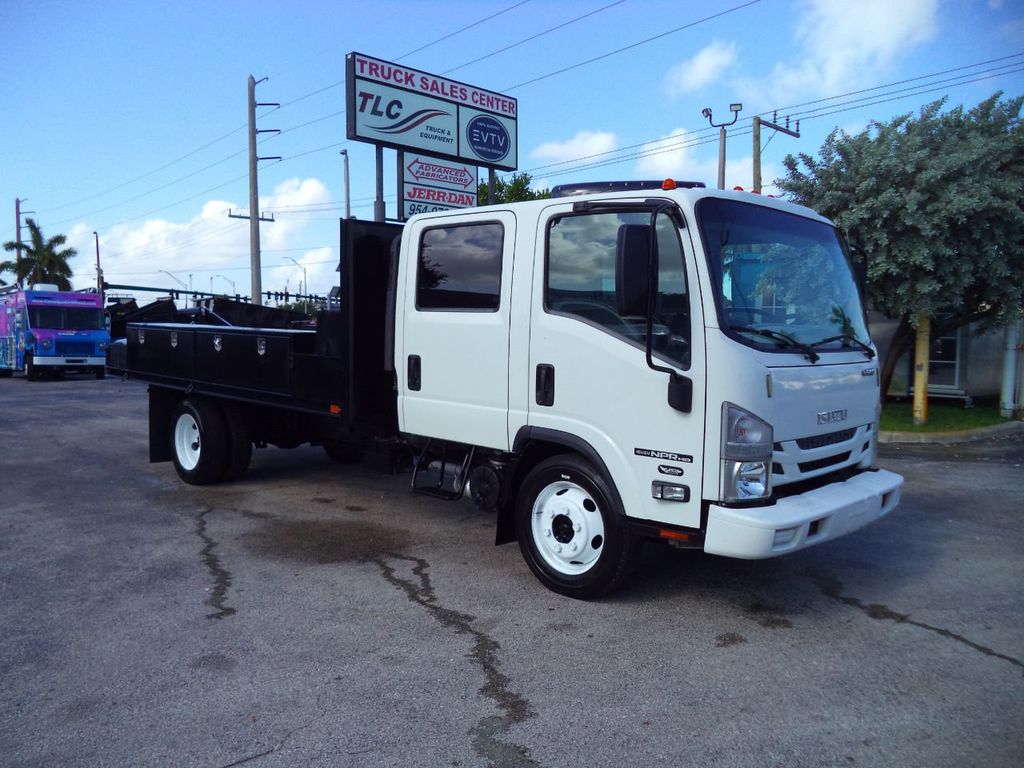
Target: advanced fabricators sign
[(430, 185), (396, 106)]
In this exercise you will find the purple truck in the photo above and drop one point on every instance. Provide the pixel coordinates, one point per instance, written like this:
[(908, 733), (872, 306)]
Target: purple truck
[(47, 331)]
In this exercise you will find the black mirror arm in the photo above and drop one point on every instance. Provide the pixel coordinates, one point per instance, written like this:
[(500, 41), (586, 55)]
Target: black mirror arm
[(680, 388)]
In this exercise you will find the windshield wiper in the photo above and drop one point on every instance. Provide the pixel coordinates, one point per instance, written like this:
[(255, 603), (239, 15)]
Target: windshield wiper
[(783, 340), (848, 340)]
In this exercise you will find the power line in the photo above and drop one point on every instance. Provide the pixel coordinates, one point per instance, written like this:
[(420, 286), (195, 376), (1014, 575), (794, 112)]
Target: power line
[(631, 46), (149, 173), (463, 29), (547, 31)]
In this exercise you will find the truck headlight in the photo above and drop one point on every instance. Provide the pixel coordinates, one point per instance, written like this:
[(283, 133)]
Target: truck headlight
[(46, 343), (746, 455)]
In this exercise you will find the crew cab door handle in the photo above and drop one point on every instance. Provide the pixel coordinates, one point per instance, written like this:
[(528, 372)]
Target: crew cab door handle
[(545, 384), (414, 373)]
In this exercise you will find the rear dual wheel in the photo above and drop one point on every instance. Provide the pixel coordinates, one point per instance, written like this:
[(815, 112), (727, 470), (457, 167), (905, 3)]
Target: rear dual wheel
[(209, 443)]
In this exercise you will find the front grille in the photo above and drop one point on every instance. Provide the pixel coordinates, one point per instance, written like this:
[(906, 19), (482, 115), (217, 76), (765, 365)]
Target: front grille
[(74, 348), (820, 441), (828, 461)]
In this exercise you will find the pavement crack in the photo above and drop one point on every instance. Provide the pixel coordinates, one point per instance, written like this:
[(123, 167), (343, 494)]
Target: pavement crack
[(832, 588), (221, 577), (280, 742), (488, 741)]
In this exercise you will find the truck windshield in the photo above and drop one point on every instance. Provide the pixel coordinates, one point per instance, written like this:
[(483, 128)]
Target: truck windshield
[(66, 318), (781, 281)]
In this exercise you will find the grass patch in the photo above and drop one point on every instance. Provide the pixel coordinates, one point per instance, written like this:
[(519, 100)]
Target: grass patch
[(943, 416)]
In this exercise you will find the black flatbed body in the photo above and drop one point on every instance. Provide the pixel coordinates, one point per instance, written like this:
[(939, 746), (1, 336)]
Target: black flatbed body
[(284, 368)]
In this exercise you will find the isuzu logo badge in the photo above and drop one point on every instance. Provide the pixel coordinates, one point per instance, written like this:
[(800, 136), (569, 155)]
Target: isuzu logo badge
[(831, 417)]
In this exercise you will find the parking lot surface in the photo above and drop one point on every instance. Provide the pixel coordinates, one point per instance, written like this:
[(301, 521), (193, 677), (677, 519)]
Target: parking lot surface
[(314, 614)]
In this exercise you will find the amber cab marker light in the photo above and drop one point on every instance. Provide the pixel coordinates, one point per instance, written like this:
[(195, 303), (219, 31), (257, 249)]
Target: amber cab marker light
[(668, 184), (673, 535)]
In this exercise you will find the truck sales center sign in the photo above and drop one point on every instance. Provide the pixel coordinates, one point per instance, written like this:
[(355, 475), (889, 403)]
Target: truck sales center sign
[(395, 106)]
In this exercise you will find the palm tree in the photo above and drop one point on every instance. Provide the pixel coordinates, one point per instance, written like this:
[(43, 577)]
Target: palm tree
[(42, 261)]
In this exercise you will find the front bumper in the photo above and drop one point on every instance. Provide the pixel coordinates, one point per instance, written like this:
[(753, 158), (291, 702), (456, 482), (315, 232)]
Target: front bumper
[(68, 361), (796, 522)]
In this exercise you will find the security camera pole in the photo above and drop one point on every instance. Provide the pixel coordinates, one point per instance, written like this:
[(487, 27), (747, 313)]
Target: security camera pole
[(736, 109)]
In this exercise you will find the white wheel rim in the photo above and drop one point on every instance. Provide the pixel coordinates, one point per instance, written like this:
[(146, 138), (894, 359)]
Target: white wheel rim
[(187, 445), (567, 528)]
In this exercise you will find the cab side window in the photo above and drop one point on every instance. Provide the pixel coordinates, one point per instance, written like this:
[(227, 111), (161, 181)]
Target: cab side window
[(581, 280), (459, 268)]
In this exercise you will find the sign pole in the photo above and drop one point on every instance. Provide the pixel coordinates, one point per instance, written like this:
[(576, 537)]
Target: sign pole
[(379, 210), (400, 180)]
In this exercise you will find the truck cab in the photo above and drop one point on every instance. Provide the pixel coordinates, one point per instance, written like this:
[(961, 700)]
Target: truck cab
[(683, 364)]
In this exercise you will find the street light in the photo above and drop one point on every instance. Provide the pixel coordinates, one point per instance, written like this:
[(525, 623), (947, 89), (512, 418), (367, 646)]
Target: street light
[(175, 279), (225, 280), (348, 210), (304, 282), (736, 109)]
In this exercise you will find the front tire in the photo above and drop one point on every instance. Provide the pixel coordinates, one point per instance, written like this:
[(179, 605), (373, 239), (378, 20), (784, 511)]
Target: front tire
[(572, 530), (199, 442), (32, 372)]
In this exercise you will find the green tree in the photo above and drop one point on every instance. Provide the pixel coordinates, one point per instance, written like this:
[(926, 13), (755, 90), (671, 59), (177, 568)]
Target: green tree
[(936, 203), (42, 261), (512, 190)]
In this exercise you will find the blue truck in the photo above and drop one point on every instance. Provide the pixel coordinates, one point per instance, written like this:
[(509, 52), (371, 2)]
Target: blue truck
[(44, 330)]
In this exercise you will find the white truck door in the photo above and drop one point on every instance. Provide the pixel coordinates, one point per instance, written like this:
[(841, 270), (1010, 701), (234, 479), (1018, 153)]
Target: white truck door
[(453, 369), (587, 352)]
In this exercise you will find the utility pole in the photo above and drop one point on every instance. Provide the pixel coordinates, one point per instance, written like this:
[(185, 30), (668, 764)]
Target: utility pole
[(773, 124), (735, 109), (17, 236), (99, 271), (254, 192), (17, 233)]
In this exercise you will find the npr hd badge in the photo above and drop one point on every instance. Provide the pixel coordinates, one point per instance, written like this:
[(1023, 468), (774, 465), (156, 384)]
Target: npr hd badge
[(663, 455)]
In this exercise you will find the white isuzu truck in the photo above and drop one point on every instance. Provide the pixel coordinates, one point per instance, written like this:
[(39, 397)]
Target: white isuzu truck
[(622, 362)]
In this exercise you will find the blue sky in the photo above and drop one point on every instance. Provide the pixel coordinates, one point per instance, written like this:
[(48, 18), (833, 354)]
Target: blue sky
[(128, 119)]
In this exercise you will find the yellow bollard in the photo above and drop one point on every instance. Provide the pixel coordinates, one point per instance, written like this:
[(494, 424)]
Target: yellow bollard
[(921, 354)]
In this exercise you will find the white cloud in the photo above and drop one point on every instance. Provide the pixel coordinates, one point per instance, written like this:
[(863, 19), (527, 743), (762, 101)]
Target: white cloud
[(703, 69), (843, 46), (209, 251), (583, 144)]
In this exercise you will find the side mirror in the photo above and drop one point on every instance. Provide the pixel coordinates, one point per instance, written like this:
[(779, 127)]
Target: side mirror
[(680, 393), (632, 269), (860, 268)]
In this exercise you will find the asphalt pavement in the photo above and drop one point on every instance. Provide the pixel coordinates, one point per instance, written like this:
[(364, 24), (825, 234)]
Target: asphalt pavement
[(314, 614)]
